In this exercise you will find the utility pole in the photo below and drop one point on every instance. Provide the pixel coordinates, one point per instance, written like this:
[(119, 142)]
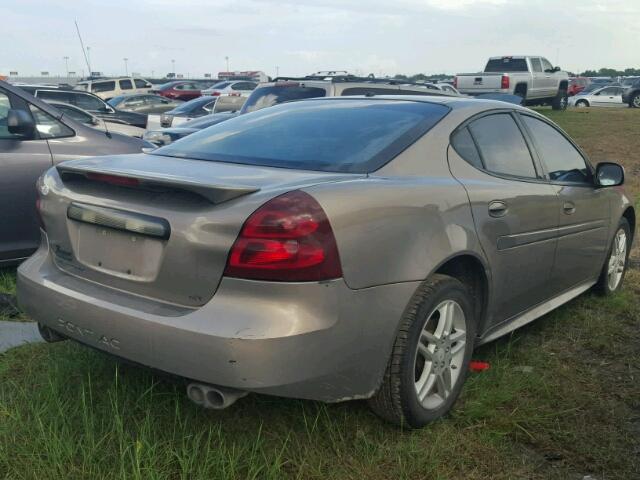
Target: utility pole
[(227, 60), (66, 65), (126, 67), (173, 68), (277, 71)]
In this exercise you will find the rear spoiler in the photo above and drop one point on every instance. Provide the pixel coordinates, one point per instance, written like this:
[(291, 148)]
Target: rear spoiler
[(211, 192)]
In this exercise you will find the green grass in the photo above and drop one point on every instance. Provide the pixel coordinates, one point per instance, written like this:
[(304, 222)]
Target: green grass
[(68, 412)]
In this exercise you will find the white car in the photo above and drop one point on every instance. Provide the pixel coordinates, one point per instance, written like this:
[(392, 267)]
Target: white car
[(239, 88), (601, 97), (84, 117), (108, 88)]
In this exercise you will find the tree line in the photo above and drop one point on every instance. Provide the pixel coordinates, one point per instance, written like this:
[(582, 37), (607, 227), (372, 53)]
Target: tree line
[(603, 72)]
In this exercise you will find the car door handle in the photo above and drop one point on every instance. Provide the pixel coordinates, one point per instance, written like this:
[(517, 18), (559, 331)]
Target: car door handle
[(497, 208), (568, 208)]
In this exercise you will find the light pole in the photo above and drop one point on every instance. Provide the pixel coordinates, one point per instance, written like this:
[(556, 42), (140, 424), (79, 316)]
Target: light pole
[(277, 71), (89, 57), (126, 67), (66, 65), (227, 60), (173, 68)]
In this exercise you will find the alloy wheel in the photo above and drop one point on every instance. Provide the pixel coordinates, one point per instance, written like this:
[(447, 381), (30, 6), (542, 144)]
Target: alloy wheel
[(636, 101), (440, 354), (617, 260)]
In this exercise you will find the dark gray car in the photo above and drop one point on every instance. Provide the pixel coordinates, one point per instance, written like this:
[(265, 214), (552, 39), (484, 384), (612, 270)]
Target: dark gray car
[(33, 137)]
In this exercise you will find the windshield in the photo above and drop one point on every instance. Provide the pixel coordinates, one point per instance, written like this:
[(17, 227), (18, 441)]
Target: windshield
[(220, 85), (164, 86), (268, 96), (353, 136), (506, 64)]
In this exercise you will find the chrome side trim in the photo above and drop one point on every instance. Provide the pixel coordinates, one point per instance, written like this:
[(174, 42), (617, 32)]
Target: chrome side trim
[(120, 220), (534, 313)]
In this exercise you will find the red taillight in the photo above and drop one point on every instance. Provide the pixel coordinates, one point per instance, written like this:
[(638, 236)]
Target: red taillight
[(114, 179), (504, 82), (455, 82), (288, 239)]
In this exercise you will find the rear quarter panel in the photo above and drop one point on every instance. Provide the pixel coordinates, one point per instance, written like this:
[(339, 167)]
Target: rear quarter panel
[(402, 222)]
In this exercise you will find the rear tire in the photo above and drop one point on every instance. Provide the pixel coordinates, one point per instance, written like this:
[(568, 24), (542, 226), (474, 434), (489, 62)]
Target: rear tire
[(560, 101), (430, 356), (615, 266), (634, 102), (582, 104)]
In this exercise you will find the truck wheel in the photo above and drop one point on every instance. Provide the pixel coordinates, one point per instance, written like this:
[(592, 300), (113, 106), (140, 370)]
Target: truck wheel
[(522, 93), (560, 101), (635, 100)]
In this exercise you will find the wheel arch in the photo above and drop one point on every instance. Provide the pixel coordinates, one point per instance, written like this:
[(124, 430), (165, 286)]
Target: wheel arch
[(564, 85), (630, 216), (471, 270), (520, 88)]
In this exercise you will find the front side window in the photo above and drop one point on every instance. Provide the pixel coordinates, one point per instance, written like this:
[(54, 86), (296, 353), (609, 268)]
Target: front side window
[(139, 83), (125, 85), (77, 115), (546, 65), (502, 146), (352, 136), (103, 87), (5, 106), (87, 102), (47, 126), (561, 159)]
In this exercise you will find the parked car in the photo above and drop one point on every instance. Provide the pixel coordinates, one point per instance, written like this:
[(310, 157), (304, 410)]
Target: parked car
[(147, 104), (328, 249), (600, 97), (445, 87), (164, 136), (188, 111), (108, 88), (577, 84), (89, 102), (631, 94), (85, 118), (236, 88), (533, 78), (33, 137), (179, 90)]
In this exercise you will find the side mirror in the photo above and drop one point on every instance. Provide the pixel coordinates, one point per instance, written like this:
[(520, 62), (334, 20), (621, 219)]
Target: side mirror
[(609, 174), (19, 122), (108, 109), (556, 69)]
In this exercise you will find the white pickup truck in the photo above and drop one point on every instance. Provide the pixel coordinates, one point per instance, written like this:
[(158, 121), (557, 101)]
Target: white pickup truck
[(532, 78)]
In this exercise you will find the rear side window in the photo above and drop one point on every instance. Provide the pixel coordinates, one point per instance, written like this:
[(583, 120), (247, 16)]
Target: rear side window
[(269, 96), (502, 146), (353, 136), (506, 64), (536, 65), (98, 87), (125, 85), (463, 144), (561, 159)]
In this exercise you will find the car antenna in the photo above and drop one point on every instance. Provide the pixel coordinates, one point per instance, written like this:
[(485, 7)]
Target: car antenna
[(106, 130)]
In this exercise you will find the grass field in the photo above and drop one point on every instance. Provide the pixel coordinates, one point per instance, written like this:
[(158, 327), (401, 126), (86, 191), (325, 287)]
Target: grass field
[(561, 400)]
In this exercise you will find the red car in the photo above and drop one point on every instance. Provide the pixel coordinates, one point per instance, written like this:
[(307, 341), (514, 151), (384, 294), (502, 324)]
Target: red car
[(577, 84), (179, 90)]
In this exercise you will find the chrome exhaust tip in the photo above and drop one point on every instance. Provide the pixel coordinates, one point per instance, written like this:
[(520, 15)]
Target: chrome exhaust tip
[(215, 398)]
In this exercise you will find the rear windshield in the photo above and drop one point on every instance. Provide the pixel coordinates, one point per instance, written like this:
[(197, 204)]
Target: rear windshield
[(194, 104), (353, 136), (268, 96), (506, 64)]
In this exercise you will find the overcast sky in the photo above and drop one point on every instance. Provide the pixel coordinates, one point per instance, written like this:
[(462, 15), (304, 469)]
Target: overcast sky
[(303, 36)]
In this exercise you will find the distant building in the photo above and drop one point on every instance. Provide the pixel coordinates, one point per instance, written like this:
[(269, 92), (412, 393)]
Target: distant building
[(254, 75)]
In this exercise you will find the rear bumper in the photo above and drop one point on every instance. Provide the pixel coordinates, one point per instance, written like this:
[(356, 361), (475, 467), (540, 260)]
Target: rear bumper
[(320, 341)]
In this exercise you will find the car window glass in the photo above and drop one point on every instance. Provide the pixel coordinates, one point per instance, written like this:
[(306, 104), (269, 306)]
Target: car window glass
[(125, 85), (47, 126), (75, 114), (561, 159), (502, 146), (98, 87), (463, 144), (267, 96), (140, 83), (369, 90), (5, 106), (64, 97), (536, 65), (546, 66), (506, 64), (87, 102)]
